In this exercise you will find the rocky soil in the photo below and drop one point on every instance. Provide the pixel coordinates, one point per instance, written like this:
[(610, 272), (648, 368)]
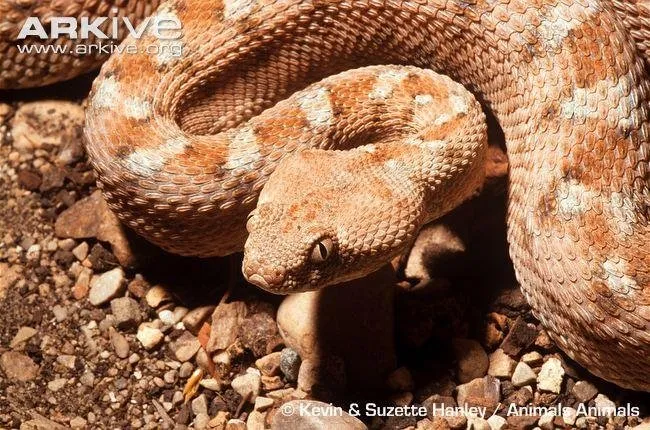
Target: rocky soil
[(99, 329)]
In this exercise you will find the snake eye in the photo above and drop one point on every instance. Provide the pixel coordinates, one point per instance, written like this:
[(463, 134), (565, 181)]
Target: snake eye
[(322, 250)]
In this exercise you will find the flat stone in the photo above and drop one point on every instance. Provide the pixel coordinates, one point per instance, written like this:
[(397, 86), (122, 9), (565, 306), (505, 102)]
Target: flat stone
[(501, 365), (471, 358), (226, 319), (584, 391), (480, 392), (269, 365), (92, 218), (127, 312), (551, 376), (296, 415), (106, 286), (523, 375), (22, 335), (149, 336), (185, 347), (18, 367), (248, 385)]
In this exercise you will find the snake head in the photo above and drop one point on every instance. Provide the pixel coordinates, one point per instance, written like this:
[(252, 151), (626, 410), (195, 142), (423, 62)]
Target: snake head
[(319, 222)]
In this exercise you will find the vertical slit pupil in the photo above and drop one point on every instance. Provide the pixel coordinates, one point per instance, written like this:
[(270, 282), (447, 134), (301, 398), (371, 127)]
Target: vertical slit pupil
[(323, 250)]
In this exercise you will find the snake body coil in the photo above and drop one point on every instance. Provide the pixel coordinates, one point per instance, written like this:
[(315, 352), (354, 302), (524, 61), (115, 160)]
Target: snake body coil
[(183, 144)]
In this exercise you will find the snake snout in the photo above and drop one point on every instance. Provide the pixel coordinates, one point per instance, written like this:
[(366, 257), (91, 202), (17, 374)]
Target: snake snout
[(267, 277)]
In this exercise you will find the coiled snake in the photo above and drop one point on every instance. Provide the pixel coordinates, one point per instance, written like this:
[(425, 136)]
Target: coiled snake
[(183, 144)]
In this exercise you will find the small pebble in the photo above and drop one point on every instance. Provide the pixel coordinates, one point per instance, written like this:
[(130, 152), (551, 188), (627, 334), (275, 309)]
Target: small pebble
[(248, 384), (200, 405), (551, 376), (56, 384), (523, 375), (149, 336), (584, 391), (106, 286)]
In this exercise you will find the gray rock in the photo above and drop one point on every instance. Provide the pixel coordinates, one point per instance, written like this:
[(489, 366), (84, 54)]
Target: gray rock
[(126, 312), (18, 367), (471, 358), (296, 415), (290, 364), (551, 376), (523, 375), (584, 391), (106, 286)]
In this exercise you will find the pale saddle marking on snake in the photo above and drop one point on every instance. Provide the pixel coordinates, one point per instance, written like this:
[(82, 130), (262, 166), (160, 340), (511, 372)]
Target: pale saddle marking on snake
[(182, 148)]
